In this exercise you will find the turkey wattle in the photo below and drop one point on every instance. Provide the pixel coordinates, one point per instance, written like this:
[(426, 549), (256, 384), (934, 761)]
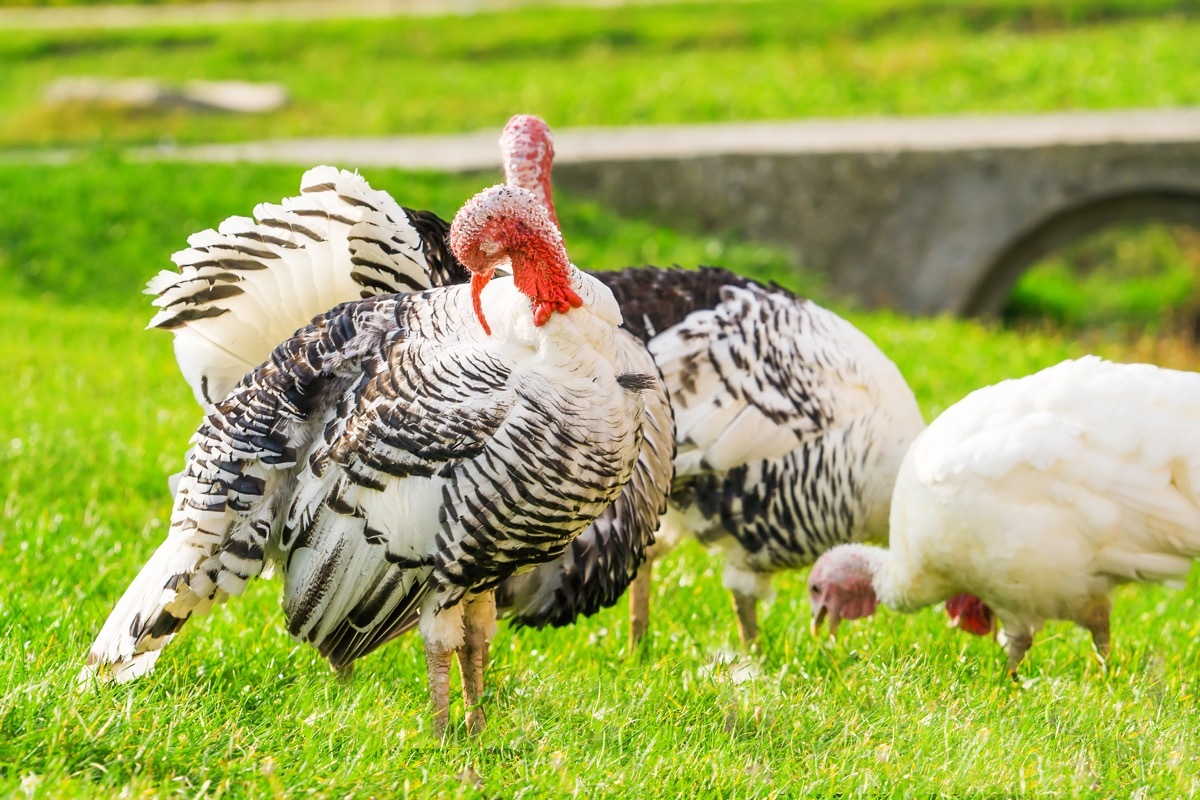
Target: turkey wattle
[(1038, 496), (790, 423), (393, 459)]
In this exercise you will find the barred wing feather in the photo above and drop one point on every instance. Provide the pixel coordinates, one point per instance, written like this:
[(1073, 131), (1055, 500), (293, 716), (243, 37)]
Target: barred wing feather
[(757, 376), (596, 568)]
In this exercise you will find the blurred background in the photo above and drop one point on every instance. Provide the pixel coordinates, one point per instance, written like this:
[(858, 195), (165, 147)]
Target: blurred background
[(84, 82)]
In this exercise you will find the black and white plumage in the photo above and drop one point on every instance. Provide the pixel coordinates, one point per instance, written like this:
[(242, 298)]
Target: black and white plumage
[(790, 424), (241, 289), (394, 459), (600, 563)]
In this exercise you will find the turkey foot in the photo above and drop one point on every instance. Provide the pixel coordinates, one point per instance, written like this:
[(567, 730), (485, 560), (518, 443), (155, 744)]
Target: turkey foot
[(746, 608), (479, 626)]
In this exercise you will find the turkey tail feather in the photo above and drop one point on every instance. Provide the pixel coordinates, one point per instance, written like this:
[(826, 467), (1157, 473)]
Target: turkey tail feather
[(211, 552), (233, 487), (249, 285)]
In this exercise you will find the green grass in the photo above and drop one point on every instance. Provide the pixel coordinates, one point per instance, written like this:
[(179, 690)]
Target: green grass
[(1140, 277), (93, 232), (689, 63), (93, 416)]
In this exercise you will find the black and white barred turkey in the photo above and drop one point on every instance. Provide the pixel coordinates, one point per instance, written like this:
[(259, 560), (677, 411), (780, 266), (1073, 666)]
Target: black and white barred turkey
[(790, 423), (401, 456), (243, 288), (790, 426)]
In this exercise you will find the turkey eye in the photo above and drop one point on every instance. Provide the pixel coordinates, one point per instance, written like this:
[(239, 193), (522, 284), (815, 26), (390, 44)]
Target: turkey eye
[(815, 589)]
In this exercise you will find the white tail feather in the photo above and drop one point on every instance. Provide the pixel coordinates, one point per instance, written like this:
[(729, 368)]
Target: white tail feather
[(119, 654), (250, 284)]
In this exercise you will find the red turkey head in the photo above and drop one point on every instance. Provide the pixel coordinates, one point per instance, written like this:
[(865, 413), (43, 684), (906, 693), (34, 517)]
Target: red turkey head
[(509, 224), (968, 612), (839, 587)]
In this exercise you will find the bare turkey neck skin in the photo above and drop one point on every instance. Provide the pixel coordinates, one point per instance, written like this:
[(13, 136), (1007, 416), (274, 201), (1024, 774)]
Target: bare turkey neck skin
[(540, 268), (534, 178), (540, 276), (528, 156)]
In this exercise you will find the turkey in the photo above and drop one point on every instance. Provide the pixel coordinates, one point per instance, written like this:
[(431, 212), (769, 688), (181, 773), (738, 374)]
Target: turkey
[(242, 289), (403, 455), (790, 423), (1037, 496)]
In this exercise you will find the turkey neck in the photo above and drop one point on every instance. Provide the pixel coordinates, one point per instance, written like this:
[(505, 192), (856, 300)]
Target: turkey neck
[(896, 585), (528, 155), (541, 274)]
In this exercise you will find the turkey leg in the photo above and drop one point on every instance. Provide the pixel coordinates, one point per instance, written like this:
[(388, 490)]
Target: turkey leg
[(479, 627), (1095, 619), (639, 603), (746, 608), (437, 661), (1016, 645)]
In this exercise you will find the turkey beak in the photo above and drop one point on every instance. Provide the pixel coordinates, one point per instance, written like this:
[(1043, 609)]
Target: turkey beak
[(819, 615), (814, 625)]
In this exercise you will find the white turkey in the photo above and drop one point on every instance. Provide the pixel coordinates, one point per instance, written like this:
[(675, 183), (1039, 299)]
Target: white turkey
[(790, 422), (404, 454), (1037, 496)]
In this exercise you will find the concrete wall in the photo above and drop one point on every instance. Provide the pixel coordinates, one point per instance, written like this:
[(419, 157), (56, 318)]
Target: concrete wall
[(925, 232), (923, 214)]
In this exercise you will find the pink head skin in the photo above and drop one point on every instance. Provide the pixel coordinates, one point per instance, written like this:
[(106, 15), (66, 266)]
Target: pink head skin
[(528, 149), (839, 587), (507, 223), (968, 612)]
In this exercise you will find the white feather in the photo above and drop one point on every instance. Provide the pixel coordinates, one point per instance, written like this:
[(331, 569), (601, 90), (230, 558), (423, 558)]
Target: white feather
[(1039, 495), (245, 287)]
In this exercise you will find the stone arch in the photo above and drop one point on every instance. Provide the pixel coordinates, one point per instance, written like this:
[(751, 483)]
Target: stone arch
[(1158, 204)]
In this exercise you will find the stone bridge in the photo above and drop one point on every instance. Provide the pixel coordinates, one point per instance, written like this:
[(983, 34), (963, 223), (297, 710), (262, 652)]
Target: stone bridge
[(926, 215)]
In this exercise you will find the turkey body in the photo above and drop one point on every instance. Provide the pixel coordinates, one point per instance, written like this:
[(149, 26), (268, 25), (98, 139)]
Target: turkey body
[(397, 463), (1039, 495), (790, 424)]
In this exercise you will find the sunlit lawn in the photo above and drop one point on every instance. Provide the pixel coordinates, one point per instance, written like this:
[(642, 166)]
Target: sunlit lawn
[(643, 64), (93, 416)]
